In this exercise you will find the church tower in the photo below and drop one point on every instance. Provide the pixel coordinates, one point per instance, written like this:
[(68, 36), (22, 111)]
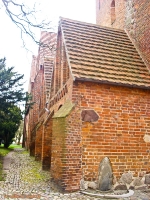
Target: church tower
[(110, 13), (130, 15)]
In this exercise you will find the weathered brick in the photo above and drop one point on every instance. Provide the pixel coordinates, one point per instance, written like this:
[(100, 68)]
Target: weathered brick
[(74, 148), (132, 15), (94, 139)]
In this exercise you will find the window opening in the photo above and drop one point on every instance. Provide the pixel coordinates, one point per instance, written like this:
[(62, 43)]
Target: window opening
[(113, 15), (99, 4), (59, 107)]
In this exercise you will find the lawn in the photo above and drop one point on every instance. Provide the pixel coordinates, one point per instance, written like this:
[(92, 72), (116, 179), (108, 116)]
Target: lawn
[(4, 152), (14, 146)]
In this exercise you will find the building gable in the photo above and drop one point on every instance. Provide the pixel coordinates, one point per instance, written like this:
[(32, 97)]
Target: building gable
[(103, 54)]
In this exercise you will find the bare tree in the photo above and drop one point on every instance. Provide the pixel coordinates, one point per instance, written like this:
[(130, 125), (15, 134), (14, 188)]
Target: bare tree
[(25, 18)]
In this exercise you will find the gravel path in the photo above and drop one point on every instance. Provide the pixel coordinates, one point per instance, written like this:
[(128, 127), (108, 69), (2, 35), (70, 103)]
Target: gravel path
[(25, 180)]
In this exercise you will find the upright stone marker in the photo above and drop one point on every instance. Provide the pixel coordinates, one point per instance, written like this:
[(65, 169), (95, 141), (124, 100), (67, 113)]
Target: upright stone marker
[(105, 177)]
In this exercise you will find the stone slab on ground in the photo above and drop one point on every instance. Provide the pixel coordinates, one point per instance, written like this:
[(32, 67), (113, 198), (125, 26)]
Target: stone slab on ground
[(26, 180), (7, 161)]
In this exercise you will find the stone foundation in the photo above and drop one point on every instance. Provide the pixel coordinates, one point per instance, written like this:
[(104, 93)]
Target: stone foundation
[(126, 182)]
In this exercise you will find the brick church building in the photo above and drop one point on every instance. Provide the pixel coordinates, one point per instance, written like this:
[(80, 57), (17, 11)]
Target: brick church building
[(91, 88)]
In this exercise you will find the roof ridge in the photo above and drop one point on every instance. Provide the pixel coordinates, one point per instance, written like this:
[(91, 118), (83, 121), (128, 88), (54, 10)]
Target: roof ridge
[(92, 24)]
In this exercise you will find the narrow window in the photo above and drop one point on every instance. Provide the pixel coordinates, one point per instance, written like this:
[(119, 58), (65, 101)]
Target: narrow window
[(113, 15), (99, 4), (41, 67)]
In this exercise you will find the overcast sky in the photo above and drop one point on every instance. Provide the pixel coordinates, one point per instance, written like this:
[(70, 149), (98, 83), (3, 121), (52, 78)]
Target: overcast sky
[(10, 39)]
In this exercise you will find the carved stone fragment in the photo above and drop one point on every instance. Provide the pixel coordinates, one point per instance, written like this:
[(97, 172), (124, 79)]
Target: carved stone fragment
[(89, 116)]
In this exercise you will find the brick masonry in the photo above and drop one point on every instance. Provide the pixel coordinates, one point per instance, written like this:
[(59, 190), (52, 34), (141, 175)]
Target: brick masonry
[(78, 147), (47, 144), (110, 13), (66, 151), (132, 15), (38, 142), (32, 143), (73, 148), (37, 135), (124, 119), (137, 25)]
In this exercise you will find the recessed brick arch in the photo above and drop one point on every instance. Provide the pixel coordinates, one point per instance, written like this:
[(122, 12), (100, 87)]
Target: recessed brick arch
[(59, 106), (47, 142)]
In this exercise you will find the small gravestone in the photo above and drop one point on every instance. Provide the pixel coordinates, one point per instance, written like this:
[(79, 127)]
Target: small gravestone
[(105, 178)]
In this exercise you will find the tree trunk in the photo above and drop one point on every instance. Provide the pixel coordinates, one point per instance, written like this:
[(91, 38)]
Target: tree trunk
[(6, 141)]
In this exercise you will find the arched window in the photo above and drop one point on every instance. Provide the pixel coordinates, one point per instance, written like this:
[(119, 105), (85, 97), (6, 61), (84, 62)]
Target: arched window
[(113, 15)]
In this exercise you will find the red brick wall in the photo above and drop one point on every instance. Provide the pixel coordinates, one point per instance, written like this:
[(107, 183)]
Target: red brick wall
[(66, 152), (138, 26), (37, 95), (58, 149), (61, 68), (105, 13), (73, 171), (124, 119), (32, 142), (61, 96), (38, 142), (46, 144), (133, 15), (38, 86)]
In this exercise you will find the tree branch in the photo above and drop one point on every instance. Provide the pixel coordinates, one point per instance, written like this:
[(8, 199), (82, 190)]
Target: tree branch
[(24, 18)]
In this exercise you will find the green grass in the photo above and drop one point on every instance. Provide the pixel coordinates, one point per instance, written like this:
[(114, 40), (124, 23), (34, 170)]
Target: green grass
[(14, 146), (4, 152), (1, 172), (33, 175)]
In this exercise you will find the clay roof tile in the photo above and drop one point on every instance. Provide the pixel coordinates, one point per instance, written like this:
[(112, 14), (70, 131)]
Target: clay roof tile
[(105, 54)]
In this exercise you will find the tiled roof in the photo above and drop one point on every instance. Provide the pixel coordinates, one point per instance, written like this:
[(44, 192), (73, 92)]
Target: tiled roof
[(103, 54), (48, 72), (46, 58)]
